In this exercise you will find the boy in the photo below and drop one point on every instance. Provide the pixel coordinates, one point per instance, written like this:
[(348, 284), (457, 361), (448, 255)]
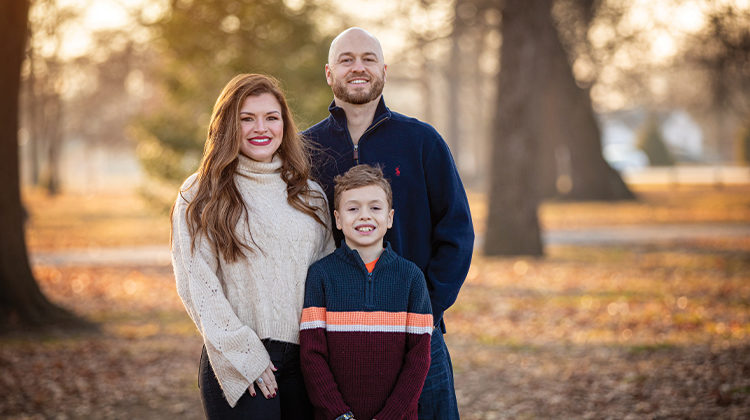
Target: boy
[(367, 320)]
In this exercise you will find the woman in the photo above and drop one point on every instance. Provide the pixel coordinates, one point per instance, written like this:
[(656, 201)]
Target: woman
[(245, 228)]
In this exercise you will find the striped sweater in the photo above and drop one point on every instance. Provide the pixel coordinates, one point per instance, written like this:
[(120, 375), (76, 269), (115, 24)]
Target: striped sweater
[(365, 337)]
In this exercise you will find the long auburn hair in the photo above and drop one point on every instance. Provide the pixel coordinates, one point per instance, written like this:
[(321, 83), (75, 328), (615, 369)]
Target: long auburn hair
[(217, 206)]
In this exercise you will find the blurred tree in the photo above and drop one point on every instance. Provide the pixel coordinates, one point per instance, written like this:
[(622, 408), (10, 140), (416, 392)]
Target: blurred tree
[(512, 222), (21, 300), (44, 106), (543, 119), (651, 141), (202, 45), (720, 53), (568, 126)]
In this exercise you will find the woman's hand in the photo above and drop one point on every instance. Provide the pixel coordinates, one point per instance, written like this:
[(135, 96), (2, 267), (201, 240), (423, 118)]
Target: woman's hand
[(266, 382)]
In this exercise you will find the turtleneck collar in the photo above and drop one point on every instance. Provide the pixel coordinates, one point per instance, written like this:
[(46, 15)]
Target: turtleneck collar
[(249, 167)]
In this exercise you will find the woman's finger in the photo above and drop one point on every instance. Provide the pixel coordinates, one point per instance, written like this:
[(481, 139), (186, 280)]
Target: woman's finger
[(263, 387), (270, 379)]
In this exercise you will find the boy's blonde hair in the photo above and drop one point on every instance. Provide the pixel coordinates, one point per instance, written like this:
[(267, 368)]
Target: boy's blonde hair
[(361, 176)]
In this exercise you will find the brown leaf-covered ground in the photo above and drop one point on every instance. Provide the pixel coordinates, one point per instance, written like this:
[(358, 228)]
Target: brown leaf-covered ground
[(647, 330)]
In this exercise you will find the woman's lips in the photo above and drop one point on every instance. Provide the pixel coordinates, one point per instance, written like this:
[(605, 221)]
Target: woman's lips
[(260, 141)]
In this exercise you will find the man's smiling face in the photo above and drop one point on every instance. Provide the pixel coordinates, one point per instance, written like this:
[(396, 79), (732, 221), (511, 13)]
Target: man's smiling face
[(356, 71)]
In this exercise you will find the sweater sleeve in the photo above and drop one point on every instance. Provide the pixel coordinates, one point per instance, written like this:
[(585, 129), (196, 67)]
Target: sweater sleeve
[(419, 327), (452, 229), (321, 385), (236, 353)]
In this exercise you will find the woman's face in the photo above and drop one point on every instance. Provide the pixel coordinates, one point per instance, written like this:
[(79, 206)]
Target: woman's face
[(262, 127)]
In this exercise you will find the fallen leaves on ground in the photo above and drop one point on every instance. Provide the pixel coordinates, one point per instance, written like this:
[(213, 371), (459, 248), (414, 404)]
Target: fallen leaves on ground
[(656, 330), (604, 332)]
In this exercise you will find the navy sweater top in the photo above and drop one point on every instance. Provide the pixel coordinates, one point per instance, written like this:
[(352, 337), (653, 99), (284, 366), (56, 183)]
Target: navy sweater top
[(365, 337), (432, 224)]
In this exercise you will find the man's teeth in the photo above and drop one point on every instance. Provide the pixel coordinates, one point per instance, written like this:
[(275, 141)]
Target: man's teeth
[(358, 81)]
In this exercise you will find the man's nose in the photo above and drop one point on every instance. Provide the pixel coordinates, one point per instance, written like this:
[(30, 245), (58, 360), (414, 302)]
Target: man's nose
[(359, 65)]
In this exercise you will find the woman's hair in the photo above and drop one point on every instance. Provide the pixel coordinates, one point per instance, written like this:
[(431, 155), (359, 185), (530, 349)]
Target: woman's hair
[(217, 206)]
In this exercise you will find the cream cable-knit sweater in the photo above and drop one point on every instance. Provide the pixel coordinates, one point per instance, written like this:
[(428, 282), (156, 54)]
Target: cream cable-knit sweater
[(235, 305)]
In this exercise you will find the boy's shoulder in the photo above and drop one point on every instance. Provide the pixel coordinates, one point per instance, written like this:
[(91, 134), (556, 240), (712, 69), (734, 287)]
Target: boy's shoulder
[(327, 261), (402, 265)]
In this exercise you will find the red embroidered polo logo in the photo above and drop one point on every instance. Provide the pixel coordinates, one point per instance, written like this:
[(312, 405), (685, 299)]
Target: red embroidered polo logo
[(398, 171)]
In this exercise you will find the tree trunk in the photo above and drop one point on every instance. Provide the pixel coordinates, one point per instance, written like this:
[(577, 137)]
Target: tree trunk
[(21, 301), (513, 224), (571, 162)]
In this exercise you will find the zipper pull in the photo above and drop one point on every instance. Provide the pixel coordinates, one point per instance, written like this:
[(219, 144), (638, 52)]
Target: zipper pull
[(355, 154)]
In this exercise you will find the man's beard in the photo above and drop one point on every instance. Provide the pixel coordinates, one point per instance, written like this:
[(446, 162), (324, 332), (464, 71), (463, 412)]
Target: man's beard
[(341, 92)]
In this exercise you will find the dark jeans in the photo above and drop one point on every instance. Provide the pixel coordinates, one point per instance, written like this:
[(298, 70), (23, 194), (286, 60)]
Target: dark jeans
[(290, 403), (438, 399)]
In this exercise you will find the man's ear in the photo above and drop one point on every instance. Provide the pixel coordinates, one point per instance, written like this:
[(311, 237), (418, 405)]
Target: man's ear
[(329, 79), (338, 220)]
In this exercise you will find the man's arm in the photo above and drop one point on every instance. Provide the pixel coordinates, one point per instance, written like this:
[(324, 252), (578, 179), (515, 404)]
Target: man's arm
[(452, 229), (321, 385)]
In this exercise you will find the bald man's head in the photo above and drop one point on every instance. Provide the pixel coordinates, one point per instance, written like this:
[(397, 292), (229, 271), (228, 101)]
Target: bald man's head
[(355, 35), (355, 69)]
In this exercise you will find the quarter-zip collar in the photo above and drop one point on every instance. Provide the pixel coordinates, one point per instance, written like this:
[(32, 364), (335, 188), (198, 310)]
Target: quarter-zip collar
[(352, 257), (338, 115)]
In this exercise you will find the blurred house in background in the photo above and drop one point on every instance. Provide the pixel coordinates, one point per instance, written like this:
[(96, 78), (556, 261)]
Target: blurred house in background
[(682, 137)]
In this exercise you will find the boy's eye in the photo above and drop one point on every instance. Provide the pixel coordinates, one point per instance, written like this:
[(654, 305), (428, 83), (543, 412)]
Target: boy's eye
[(375, 208)]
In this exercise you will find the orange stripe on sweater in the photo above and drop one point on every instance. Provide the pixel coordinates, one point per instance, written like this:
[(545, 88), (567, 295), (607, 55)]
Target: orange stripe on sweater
[(366, 318), (313, 314)]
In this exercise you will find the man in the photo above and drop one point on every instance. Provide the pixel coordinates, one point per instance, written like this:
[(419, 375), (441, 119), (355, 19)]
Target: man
[(433, 225)]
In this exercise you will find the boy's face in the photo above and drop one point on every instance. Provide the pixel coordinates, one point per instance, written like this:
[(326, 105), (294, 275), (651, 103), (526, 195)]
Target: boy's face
[(364, 216)]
